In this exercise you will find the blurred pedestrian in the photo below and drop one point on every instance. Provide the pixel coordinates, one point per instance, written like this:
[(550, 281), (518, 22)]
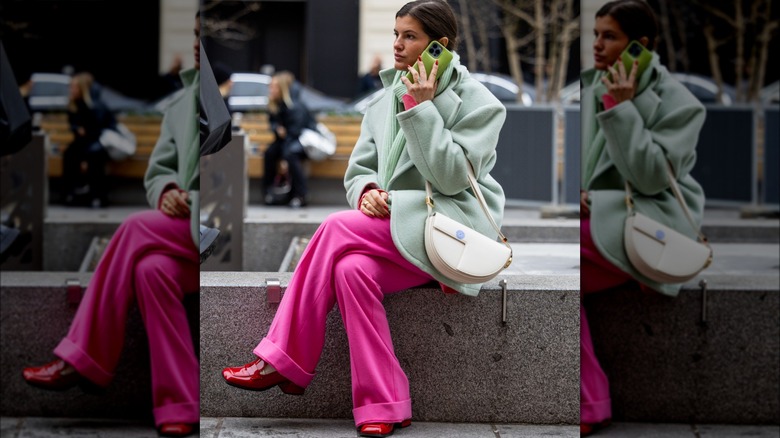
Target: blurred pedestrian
[(169, 81), (633, 124), (288, 116), (430, 129), (88, 115), (151, 260), (371, 81)]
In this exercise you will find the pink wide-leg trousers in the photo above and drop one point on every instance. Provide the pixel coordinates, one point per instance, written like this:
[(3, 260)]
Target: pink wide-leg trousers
[(151, 260), (596, 274), (351, 260)]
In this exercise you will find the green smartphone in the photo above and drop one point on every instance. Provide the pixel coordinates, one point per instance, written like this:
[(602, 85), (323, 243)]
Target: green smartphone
[(434, 51), (635, 51)]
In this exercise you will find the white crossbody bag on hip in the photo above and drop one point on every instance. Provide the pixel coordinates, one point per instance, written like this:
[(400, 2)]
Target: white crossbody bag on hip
[(459, 252), (659, 252)]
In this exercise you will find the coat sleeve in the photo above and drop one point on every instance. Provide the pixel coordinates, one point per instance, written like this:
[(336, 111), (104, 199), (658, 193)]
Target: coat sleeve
[(642, 134), (363, 164), (163, 166), (440, 149)]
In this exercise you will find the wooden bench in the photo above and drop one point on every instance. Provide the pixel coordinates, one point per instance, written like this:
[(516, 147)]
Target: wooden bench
[(346, 129), (145, 127)]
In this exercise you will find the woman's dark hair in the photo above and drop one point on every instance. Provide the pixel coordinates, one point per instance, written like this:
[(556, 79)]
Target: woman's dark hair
[(635, 17), (437, 19)]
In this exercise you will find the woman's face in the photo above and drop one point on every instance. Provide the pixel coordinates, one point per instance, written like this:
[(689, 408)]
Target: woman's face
[(410, 41), (609, 42), (274, 91)]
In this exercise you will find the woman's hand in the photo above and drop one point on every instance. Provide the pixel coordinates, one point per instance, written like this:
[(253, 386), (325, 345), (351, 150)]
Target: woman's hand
[(622, 87), (174, 203), (281, 132), (584, 208), (374, 204), (424, 86)]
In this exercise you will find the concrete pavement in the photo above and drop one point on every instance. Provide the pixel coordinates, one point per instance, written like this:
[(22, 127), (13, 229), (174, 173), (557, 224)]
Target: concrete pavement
[(231, 427)]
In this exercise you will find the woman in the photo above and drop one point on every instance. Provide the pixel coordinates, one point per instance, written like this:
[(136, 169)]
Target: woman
[(288, 117), (87, 116), (152, 259), (428, 129), (632, 125)]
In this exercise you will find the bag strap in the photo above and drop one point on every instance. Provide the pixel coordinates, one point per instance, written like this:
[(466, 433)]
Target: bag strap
[(482, 203), (677, 194)]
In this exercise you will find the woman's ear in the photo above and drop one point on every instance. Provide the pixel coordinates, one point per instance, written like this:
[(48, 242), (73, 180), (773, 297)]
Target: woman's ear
[(644, 40), (444, 41)]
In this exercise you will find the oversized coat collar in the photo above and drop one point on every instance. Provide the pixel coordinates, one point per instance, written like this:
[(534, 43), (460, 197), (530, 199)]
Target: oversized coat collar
[(448, 103)]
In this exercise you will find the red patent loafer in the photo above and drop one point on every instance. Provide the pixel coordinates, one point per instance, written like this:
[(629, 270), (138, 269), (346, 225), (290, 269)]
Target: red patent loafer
[(249, 376), (381, 429), (176, 429), (591, 428), (56, 375)]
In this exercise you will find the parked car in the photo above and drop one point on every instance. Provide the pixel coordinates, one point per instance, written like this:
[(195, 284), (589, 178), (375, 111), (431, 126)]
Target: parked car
[(502, 86), (771, 93), (318, 102), (505, 88), (50, 93), (250, 93), (705, 89), (570, 94)]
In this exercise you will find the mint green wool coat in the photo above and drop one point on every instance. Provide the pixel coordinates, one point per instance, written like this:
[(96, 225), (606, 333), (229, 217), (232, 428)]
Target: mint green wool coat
[(460, 125), (632, 141), (176, 156)]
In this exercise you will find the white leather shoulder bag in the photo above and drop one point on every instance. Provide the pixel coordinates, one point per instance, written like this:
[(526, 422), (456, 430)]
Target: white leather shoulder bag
[(459, 252), (659, 252)]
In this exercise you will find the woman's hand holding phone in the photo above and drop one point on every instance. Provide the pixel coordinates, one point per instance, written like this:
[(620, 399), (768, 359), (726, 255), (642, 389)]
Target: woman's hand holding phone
[(620, 84), (424, 86)]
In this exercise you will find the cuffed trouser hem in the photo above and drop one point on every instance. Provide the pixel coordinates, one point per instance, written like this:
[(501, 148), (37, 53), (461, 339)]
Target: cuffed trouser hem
[(177, 413), (394, 412), (595, 412), (284, 364), (71, 353)]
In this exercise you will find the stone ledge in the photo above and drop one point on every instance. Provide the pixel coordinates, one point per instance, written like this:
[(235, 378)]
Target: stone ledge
[(463, 364), (35, 315), (685, 359)]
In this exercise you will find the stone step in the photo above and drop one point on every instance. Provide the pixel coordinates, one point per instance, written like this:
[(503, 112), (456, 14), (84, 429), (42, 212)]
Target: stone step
[(268, 231), (463, 364), (266, 244), (36, 311)]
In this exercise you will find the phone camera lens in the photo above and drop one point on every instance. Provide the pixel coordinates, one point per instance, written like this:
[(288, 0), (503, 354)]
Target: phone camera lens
[(635, 50)]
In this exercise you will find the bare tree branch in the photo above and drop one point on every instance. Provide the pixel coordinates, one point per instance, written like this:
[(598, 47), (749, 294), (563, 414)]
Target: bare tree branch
[(510, 8), (716, 12), (714, 59), (764, 39), (468, 35), (666, 31)]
